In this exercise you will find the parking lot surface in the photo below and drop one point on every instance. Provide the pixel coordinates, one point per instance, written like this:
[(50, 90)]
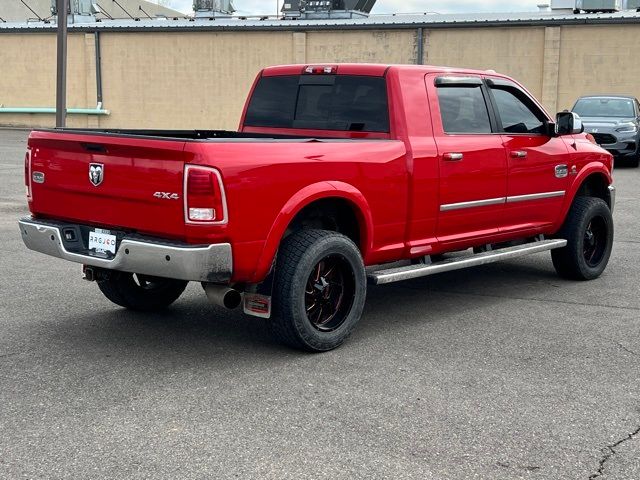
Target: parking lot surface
[(500, 372)]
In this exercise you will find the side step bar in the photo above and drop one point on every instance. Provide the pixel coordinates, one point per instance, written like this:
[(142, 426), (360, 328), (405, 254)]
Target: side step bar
[(391, 275)]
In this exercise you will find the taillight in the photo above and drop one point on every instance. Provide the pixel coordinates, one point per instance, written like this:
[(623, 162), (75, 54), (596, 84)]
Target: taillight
[(27, 173), (205, 200), (320, 70)]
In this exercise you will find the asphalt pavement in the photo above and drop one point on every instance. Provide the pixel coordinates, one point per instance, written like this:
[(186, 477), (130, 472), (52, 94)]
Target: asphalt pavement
[(500, 372)]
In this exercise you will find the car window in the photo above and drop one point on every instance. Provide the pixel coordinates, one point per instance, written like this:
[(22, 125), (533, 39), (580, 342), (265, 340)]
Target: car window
[(605, 107), (515, 115), (463, 109), (342, 102)]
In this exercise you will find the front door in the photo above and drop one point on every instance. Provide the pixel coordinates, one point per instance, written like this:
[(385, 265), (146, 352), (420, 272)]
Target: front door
[(538, 164)]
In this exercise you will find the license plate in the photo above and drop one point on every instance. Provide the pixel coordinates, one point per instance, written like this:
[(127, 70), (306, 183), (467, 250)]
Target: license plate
[(102, 241)]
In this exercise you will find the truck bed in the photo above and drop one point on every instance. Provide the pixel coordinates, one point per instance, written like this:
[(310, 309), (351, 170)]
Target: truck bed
[(199, 135)]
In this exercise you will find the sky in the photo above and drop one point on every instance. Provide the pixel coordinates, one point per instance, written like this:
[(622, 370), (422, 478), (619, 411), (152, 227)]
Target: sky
[(257, 7)]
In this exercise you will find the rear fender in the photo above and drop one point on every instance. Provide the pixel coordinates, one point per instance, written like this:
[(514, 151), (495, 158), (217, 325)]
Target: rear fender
[(300, 200)]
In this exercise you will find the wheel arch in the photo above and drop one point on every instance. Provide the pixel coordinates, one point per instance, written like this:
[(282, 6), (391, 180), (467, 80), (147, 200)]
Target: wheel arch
[(592, 181), (319, 195)]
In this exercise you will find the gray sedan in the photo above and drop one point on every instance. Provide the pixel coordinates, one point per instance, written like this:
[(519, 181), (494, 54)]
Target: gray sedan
[(614, 121)]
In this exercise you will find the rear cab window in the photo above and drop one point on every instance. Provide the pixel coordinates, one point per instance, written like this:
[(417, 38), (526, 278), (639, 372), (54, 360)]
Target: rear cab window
[(463, 106), (346, 103)]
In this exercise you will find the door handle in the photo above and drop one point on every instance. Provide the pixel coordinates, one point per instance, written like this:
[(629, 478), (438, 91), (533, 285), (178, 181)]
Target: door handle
[(518, 154), (453, 157)]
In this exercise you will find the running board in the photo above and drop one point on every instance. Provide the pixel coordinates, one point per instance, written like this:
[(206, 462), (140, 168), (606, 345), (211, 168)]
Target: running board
[(391, 275)]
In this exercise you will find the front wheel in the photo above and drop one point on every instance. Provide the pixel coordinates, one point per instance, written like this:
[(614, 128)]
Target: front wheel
[(319, 292), (140, 292), (588, 230)]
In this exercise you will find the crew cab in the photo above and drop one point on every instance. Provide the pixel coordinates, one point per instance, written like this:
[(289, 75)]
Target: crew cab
[(338, 176)]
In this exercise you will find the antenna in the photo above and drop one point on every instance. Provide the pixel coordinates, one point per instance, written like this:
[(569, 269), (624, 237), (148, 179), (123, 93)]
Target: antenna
[(3, 20), (104, 12), (32, 11), (124, 10), (142, 10)]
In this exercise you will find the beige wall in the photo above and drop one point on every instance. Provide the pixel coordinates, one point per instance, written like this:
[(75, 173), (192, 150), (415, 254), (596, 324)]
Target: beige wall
[(596, 60), (185, 80), (200, 79), (368, 46), (516, 52)]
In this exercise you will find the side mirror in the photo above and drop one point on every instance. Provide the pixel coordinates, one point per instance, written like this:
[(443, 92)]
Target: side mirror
[(568, 123)]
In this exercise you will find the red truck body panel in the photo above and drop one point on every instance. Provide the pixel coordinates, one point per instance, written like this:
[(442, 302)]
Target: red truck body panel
[(135, 171), (401, 185)]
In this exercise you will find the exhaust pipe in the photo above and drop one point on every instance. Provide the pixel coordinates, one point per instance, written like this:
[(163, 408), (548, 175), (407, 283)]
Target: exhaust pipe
[(223, 296)]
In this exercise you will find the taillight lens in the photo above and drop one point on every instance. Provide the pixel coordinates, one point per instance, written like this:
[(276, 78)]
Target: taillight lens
[(27, 173), (204, 196)]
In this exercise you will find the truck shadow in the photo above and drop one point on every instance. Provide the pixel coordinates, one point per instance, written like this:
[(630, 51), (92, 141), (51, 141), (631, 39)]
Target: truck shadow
[(195, 330)]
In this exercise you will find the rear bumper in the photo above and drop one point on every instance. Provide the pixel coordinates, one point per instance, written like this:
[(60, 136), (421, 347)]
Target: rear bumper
[(209, 263)]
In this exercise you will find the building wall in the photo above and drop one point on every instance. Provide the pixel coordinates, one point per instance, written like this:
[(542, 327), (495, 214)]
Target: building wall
[(184, 80), (595, 60), (517, 52), (200, 79)]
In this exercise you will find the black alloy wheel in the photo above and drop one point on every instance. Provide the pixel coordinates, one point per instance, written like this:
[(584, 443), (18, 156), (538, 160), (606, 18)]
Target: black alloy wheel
[(330, 293)]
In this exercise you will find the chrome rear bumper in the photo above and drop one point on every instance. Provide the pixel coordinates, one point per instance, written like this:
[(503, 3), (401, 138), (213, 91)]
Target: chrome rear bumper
[(210, 263)]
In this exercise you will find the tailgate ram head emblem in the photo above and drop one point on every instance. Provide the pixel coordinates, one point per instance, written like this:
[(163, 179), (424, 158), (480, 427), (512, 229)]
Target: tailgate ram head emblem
[(96, 173)]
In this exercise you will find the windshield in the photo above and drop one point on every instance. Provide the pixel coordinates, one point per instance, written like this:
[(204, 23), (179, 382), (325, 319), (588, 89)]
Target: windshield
[(336, 102), (605, 107)]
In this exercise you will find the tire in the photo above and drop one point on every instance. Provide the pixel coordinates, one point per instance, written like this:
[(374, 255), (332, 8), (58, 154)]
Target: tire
[(635, 161), (588, 230), (319, 291), (140, 292)]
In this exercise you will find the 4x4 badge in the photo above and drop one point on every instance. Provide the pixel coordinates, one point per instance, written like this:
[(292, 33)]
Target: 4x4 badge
[(96, 173)]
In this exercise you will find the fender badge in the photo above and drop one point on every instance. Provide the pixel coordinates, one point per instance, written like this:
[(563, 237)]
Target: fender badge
[(37, 177), (562, 171)]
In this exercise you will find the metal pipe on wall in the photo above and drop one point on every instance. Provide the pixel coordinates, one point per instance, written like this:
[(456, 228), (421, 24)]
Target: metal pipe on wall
[(49, 110), (98, 68), (420, 50), (61, 80)]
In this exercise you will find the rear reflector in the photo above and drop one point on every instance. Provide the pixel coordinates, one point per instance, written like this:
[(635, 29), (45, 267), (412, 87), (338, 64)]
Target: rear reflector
[(27, 173), (204, 196)]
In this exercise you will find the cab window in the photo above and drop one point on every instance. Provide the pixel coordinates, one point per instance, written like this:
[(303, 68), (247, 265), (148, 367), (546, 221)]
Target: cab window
[(463, 109), (517, 114)]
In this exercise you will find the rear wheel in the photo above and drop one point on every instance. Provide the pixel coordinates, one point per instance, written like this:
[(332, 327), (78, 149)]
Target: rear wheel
[(320, 290), (588, 230), (140, 292)]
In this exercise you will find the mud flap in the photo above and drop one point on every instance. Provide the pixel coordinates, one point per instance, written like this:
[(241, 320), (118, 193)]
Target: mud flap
[(257, 298)]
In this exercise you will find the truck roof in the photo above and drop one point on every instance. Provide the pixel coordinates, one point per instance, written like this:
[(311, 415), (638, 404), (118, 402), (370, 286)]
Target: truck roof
[(369, 69)]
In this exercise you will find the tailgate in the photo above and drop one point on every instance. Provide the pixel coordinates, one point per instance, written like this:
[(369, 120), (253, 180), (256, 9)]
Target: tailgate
[(108, 180)]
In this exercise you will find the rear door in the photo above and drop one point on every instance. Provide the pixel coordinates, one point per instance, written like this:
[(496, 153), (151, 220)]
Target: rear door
[(472, 162), (131, 183), (538, 164)]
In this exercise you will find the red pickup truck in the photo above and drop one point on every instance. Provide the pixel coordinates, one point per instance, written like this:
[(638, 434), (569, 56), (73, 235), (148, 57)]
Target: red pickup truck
[(339, 176)]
